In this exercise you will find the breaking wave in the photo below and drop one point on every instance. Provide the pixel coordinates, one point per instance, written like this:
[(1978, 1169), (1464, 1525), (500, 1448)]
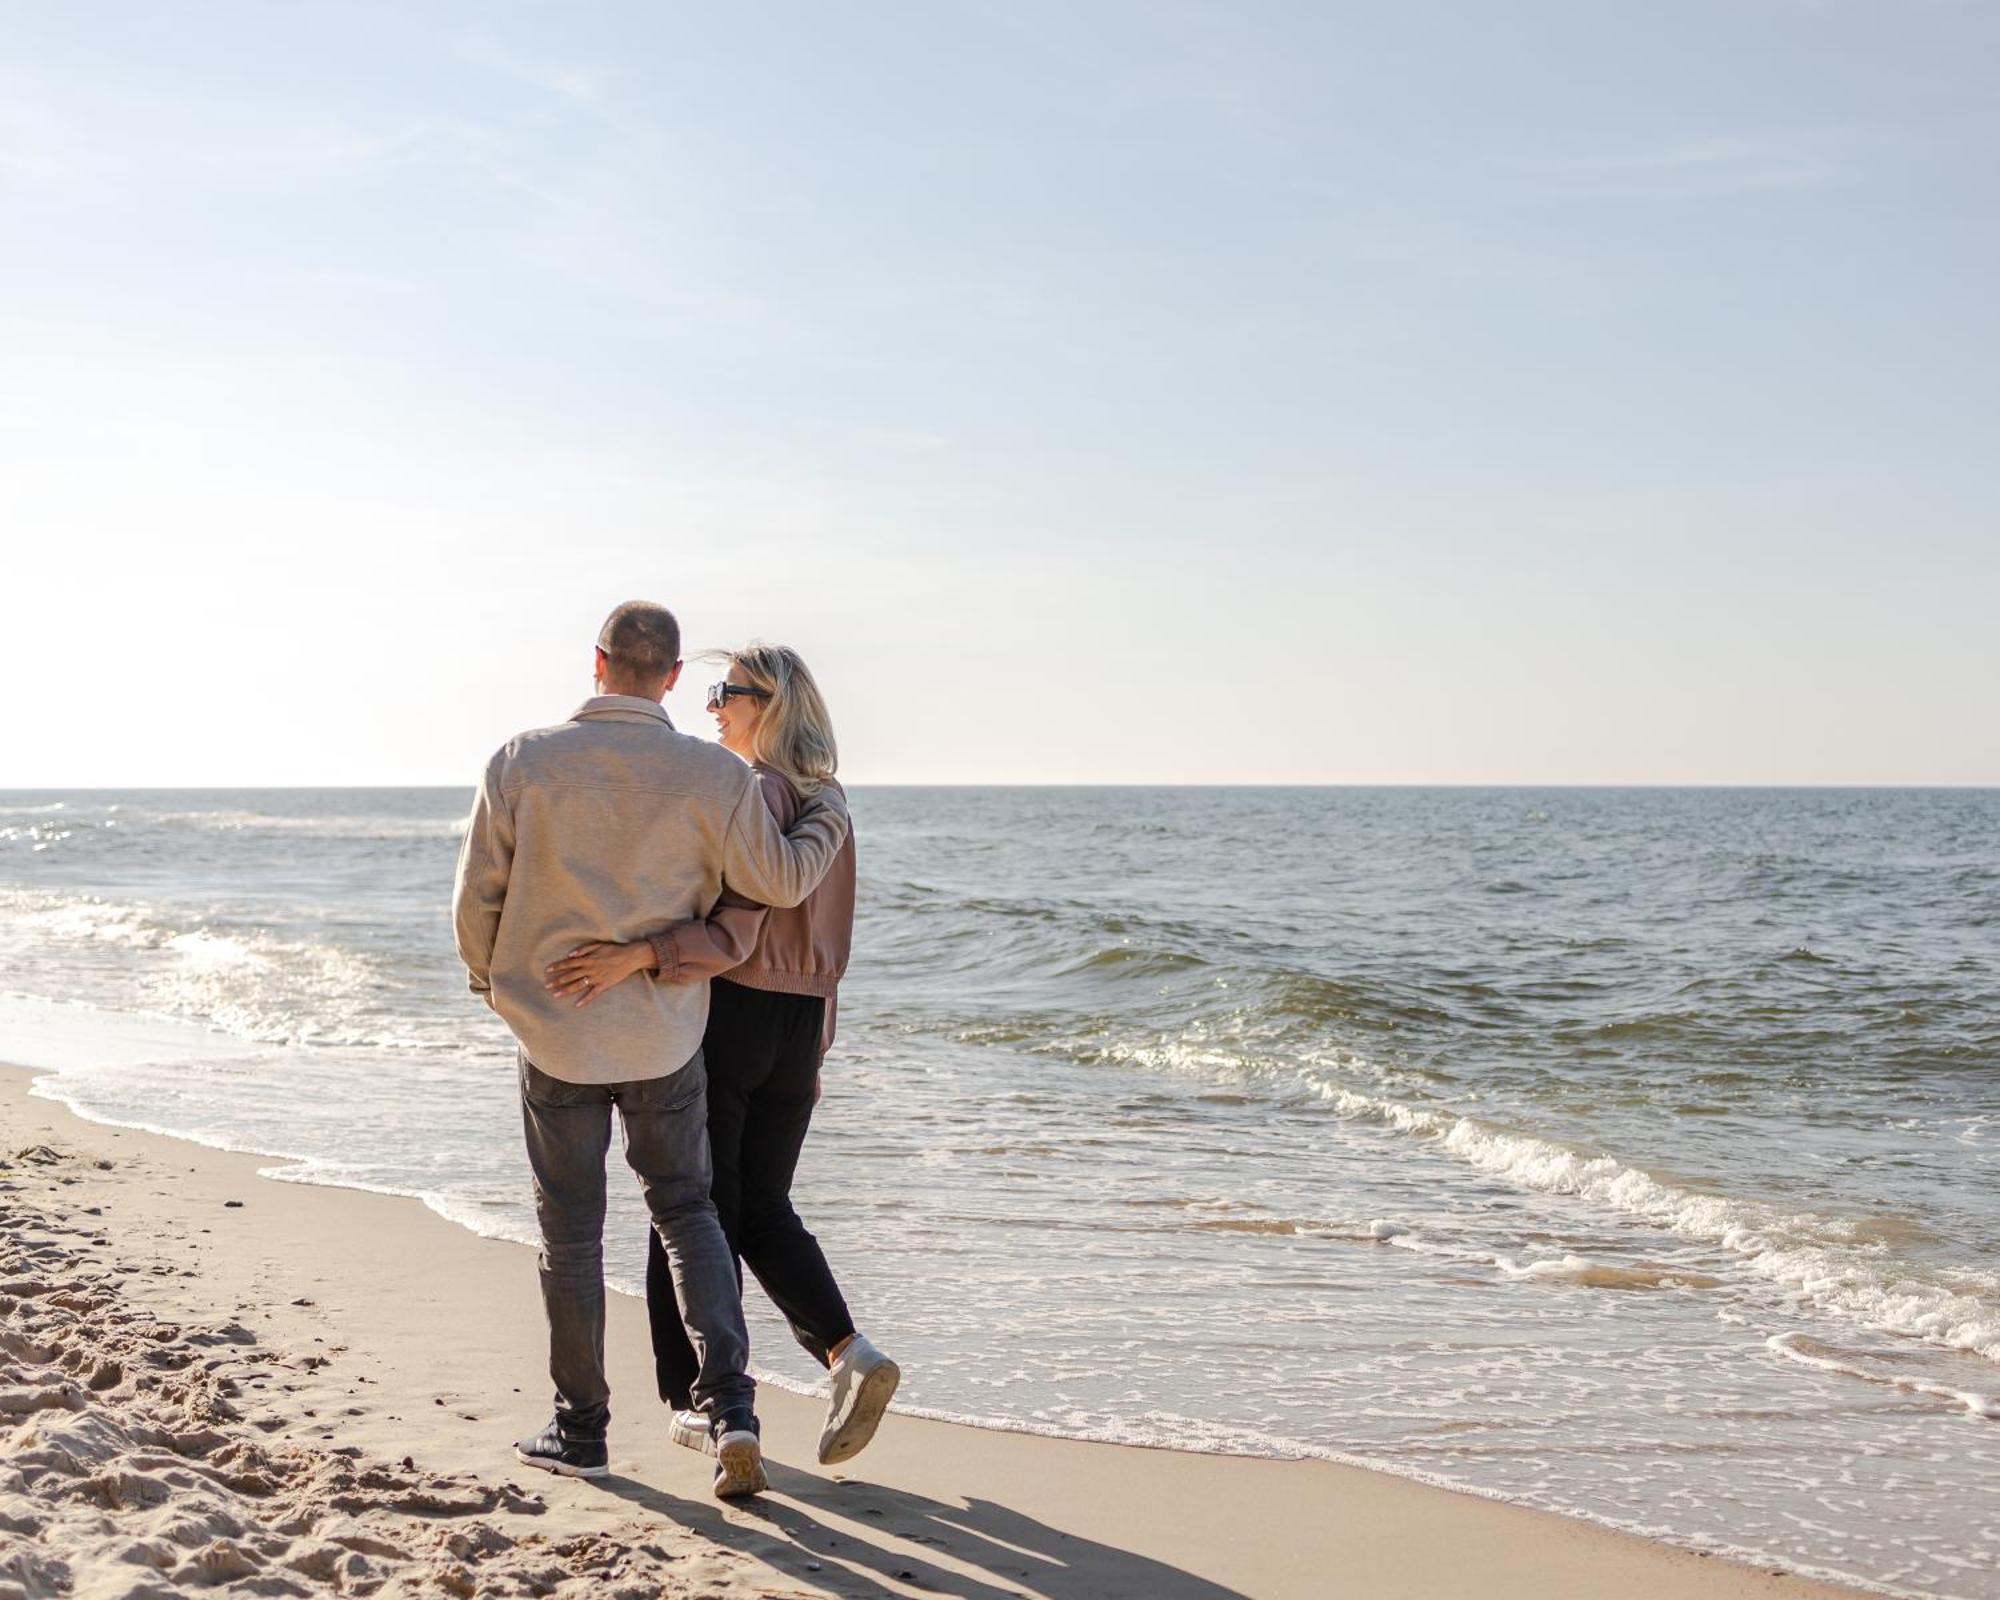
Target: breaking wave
[(1827, 1262)]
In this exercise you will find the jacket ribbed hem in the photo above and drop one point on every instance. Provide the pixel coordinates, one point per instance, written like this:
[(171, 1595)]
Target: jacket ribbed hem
[(820, 983)]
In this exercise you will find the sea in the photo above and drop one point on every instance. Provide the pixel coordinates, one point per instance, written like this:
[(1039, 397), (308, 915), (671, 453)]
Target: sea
[(1630, 1153)]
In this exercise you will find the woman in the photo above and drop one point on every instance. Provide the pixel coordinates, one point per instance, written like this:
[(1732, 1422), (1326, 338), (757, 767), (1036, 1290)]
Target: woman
[(770, 1022)]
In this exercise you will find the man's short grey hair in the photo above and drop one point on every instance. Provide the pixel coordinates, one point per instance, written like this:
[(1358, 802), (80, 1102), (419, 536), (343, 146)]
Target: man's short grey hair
[(641, 641)]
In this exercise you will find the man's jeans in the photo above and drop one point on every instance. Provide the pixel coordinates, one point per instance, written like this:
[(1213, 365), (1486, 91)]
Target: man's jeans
[(568, 1127)]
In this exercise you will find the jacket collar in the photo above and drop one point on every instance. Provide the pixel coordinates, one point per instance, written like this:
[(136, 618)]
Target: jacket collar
[(607, 705)]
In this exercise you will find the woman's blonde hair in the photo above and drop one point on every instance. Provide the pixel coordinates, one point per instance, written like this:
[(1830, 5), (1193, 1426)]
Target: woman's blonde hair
[(794, 736)]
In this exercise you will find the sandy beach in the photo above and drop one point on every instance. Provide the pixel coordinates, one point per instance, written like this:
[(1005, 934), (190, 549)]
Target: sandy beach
[(214, 1382)]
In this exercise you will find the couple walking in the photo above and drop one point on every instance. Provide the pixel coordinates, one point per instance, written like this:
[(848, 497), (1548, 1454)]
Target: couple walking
[(663, 922)]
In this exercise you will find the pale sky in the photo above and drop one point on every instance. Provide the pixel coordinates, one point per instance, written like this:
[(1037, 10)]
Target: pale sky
[(1093, 392)]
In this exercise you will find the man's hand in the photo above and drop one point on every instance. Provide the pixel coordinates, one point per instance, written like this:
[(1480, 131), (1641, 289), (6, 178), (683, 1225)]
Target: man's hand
[(590, 969)]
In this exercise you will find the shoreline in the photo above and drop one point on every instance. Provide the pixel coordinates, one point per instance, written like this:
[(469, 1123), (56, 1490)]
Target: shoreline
[(425, 1341)]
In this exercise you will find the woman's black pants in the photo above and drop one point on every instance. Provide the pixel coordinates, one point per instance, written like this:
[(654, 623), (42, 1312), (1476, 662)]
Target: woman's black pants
[(762, 1054)]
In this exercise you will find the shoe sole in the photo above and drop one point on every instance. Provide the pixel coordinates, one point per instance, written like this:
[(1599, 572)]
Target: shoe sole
[(871, 1400), (562, 1469), (739, 1469)]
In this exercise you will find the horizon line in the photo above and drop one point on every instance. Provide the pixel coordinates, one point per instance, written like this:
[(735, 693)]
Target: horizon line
[(1392, 783)]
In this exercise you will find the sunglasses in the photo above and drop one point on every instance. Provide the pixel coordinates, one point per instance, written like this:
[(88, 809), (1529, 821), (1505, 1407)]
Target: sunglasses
[(720, 693)]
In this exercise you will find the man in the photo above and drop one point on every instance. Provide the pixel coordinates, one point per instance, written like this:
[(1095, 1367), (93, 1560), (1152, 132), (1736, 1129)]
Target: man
[(612, 825)]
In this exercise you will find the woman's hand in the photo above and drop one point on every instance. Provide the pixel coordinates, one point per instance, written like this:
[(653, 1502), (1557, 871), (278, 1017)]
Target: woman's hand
[(590, 969)]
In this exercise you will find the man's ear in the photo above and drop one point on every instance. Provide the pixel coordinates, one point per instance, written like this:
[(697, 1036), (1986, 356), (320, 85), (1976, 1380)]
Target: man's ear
[(598, 662), (674, 676)]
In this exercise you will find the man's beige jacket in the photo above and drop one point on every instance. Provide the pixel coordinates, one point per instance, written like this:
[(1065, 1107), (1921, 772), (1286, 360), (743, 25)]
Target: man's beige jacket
[(613, 825)]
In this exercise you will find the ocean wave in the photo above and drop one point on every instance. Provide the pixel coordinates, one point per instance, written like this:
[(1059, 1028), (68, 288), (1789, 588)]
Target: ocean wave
[(1846, 1266), (1822, 1357), (1307, 997), (1297, 1227), (87, 815), (1827, 1262), (273, 990), (1568, 1269), (340, 827), (1130, 961), (30, 914), (38, 834), (1604, 1274), (252, 983), (1243, 1048)]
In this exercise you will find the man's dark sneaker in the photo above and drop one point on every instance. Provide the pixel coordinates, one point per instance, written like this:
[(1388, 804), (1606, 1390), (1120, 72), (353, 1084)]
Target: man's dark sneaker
[(573, 1458), (739, 1458)]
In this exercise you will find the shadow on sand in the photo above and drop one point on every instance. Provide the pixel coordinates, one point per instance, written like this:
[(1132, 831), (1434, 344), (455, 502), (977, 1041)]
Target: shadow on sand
[(868, 1542)]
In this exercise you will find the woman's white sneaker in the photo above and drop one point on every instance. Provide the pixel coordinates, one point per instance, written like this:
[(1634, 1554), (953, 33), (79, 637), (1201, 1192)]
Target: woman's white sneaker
[(690, 1428), (864, 1380)]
